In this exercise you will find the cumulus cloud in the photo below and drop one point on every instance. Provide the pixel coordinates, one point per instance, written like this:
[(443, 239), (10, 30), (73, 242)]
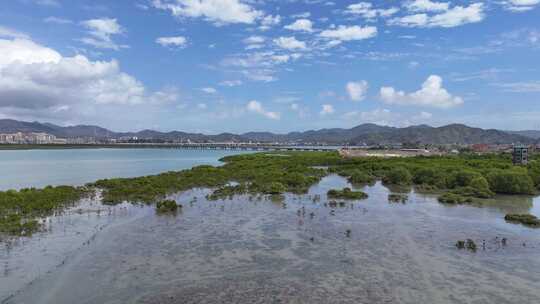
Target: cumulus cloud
[(290, 43), (256, 107), (366, 10), (35, 77), (327, 109), (101, 32), (450, 17), (348, 33), (427, 6), (357, 90), (269, 21), (432, 94), (176, 41), (217, 11), (303, 25)]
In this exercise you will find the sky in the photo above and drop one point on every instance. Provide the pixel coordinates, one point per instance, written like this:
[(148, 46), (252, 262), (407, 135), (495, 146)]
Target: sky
[(217, 66)]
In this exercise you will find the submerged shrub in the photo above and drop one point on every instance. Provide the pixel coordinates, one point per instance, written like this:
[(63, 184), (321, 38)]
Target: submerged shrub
[(166, 206), (454, 199), (525, 219), (398, 198)]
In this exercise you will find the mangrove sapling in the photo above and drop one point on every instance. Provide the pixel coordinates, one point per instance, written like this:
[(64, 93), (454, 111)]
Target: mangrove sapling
[(167, 206), (346, 193), (525, 219), (398, 198), (468, 244)]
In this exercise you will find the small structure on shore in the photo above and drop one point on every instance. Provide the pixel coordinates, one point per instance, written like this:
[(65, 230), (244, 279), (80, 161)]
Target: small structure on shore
[(520, 155)]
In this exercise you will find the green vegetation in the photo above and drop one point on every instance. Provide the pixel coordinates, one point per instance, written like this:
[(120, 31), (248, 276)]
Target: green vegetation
[(468, 244), (19, 210), (346, 193), (511, 182), (361, 177), (525, 219), (398, 198), (454, 199), (167, 206), (398, 176), (464, 178), (259, 173)]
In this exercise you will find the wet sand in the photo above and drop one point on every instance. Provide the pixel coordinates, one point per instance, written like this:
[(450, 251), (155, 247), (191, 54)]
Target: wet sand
[(251, 251)]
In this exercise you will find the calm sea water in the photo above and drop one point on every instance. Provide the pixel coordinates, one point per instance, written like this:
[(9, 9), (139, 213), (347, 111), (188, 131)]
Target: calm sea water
[(39, 168)]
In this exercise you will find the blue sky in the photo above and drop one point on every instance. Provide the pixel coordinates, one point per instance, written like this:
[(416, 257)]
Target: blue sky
[(250, 65)]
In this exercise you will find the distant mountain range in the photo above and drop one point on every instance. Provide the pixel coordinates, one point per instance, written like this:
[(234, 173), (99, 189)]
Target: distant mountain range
[(363, 134)]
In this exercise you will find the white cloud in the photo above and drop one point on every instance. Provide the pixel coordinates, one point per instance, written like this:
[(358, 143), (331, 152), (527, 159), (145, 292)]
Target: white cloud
[(209, 90), (357, 90), (256, 107), (520, 87), (432, 94), (366, 10), (427, 6), (452, 17), (385, 117), (231, 83), (304, 25), (302, 15), (101, 32), (34, 77), (254, 40), (6, 32), (57, 20), (268, 21), (290, 43), (520, 5), (54, 3), (217, 11), (348, 33), (176, 41), (327, 109)]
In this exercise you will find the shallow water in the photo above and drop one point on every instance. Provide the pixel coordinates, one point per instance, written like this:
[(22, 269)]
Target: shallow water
[(39, 168), (261, 251)]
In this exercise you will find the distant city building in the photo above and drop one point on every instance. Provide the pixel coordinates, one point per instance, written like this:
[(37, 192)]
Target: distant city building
[(30, 138), (480, 148), (520, 155)]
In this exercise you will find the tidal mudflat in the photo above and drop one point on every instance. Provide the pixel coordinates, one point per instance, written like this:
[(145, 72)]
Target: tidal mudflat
[(297, 249)]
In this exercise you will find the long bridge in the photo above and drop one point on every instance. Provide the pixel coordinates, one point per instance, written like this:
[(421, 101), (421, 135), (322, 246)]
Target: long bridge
[(229, 146)]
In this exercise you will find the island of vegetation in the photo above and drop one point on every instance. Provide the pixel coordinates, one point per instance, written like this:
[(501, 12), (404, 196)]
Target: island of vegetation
[(458, 179), (525, 219), (346, 193)]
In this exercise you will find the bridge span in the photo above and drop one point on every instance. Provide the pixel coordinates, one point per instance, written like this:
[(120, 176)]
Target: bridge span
[(230, 146)]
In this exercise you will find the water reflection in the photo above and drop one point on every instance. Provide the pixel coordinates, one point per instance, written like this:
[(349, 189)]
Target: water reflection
[(300, 249)]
